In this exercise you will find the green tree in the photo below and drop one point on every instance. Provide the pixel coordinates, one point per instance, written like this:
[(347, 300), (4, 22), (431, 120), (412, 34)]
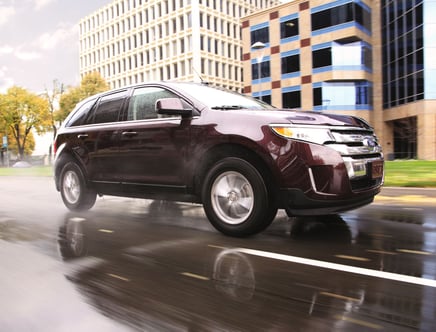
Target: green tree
[(91, 84), (21, 112), (28, 148)]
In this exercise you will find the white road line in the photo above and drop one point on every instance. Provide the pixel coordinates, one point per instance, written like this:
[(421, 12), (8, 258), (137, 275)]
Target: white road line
[(193, 275), (341, 267)]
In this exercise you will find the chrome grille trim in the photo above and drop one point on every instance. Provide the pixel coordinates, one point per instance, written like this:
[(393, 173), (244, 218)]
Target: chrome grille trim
[(354, 142)]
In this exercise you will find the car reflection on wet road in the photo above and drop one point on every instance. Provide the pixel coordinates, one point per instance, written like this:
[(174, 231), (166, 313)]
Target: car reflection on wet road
[(159, 266)]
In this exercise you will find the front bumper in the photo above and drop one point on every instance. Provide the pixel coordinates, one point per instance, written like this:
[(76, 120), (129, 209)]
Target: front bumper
[(296, 203)]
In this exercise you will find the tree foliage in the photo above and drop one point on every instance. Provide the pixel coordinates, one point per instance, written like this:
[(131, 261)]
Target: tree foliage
[(91, 84), (28, 148), (21, 112)]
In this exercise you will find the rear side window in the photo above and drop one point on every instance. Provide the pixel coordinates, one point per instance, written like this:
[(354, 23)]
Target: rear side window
[(109, 107), (142, 104), (82, 115)]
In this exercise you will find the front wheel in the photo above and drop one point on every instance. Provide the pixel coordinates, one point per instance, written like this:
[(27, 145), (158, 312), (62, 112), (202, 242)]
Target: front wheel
[(236, 199), (75, 194)]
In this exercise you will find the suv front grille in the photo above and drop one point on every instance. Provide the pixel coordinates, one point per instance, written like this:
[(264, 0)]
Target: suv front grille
[(355, 143), (359, 149)]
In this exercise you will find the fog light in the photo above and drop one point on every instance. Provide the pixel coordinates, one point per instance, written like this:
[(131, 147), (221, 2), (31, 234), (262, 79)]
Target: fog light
[(355, 168)]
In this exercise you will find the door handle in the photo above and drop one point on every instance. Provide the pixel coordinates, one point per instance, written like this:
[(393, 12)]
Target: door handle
[(129, 133), (82, 136)]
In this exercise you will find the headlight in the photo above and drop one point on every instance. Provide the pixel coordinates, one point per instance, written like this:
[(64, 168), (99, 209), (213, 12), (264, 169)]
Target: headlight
[(308, 134)]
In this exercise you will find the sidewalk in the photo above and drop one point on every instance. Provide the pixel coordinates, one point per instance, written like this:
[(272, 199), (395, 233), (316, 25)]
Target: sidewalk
[(407, 195)]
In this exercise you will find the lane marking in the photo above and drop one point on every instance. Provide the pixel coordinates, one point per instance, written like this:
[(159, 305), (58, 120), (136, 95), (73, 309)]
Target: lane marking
[(193, 275), (340, 267), (217, 247), (340, 297), (359, 322), (381, 235), (118, 277), (311, 287), (105, 231), (381, 252), (353, 258), (417, 252)]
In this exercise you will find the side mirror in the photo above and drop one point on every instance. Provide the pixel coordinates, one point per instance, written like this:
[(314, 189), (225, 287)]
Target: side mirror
[(173, 106)]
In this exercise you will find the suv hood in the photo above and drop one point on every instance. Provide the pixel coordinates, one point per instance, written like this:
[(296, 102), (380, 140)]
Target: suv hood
[(325, 119), (311, 118)]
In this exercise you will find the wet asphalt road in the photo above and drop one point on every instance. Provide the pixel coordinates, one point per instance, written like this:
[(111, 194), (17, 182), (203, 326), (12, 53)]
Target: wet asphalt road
[(158, 266)]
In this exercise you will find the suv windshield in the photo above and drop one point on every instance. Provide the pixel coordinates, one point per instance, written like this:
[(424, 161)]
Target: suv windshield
[(222, 99)]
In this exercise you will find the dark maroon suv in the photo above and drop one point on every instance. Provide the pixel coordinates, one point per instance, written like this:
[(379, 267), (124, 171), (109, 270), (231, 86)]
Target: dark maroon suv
[(241, 158)]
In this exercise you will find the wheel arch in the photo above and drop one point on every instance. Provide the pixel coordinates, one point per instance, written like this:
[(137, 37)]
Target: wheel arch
[(63, 157), (218, 152)]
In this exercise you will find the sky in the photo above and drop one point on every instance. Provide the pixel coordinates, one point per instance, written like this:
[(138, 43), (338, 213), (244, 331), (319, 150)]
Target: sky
[(39, 42)]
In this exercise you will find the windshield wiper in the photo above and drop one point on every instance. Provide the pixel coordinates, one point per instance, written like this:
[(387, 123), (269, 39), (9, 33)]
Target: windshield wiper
[(228, 107)]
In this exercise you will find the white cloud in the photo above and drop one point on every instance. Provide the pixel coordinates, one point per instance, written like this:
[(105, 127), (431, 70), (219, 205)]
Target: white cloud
[(6, 49), (62, 38), (6, 13), (19, 53), (5, 81), (27, 55), (49, 41), (42, 3)]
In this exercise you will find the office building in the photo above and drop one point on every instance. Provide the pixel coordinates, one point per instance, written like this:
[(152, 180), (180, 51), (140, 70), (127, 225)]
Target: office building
[(130, 41), (373, 59)]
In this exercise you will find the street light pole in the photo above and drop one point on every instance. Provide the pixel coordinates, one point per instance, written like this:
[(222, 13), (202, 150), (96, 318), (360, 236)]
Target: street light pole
[(259, 46)]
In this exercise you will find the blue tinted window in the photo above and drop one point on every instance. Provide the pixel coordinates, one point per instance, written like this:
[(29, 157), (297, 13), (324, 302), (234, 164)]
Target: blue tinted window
[(263, 70), (350, 12), (260, 35), (343, 96), (336, 56)]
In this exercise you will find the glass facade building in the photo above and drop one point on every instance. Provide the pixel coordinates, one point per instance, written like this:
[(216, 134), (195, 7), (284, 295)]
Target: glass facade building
[(372, 59)]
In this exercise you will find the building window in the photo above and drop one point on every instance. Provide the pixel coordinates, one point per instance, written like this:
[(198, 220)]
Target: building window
[(336, 56), (322, 57), (262, 71), (350, 12), (403, 54), (342, 96), (291, 99), (259, 34), (405, 138), (289, 28), (290, 64), (266, 98)]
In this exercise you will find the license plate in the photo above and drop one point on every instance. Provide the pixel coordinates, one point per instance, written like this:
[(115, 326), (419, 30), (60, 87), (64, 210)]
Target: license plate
[(377, 169)]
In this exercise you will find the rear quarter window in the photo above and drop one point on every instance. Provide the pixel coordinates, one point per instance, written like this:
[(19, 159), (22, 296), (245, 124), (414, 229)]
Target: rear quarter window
[(109, 107), (82, 115)]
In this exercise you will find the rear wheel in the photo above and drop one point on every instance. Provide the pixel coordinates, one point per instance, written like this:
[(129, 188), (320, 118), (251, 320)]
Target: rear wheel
[(236, 199), (75, 194)]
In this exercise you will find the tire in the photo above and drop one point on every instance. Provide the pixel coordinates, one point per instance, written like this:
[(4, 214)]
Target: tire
[(236, 199), (75, 194), (71, 238)]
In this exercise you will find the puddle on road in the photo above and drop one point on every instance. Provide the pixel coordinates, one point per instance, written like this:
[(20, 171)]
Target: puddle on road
[(12, 231)]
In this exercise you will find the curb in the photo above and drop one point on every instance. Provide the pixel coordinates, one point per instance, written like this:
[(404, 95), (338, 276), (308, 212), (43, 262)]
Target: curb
[(407, 195), (400, 191)]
